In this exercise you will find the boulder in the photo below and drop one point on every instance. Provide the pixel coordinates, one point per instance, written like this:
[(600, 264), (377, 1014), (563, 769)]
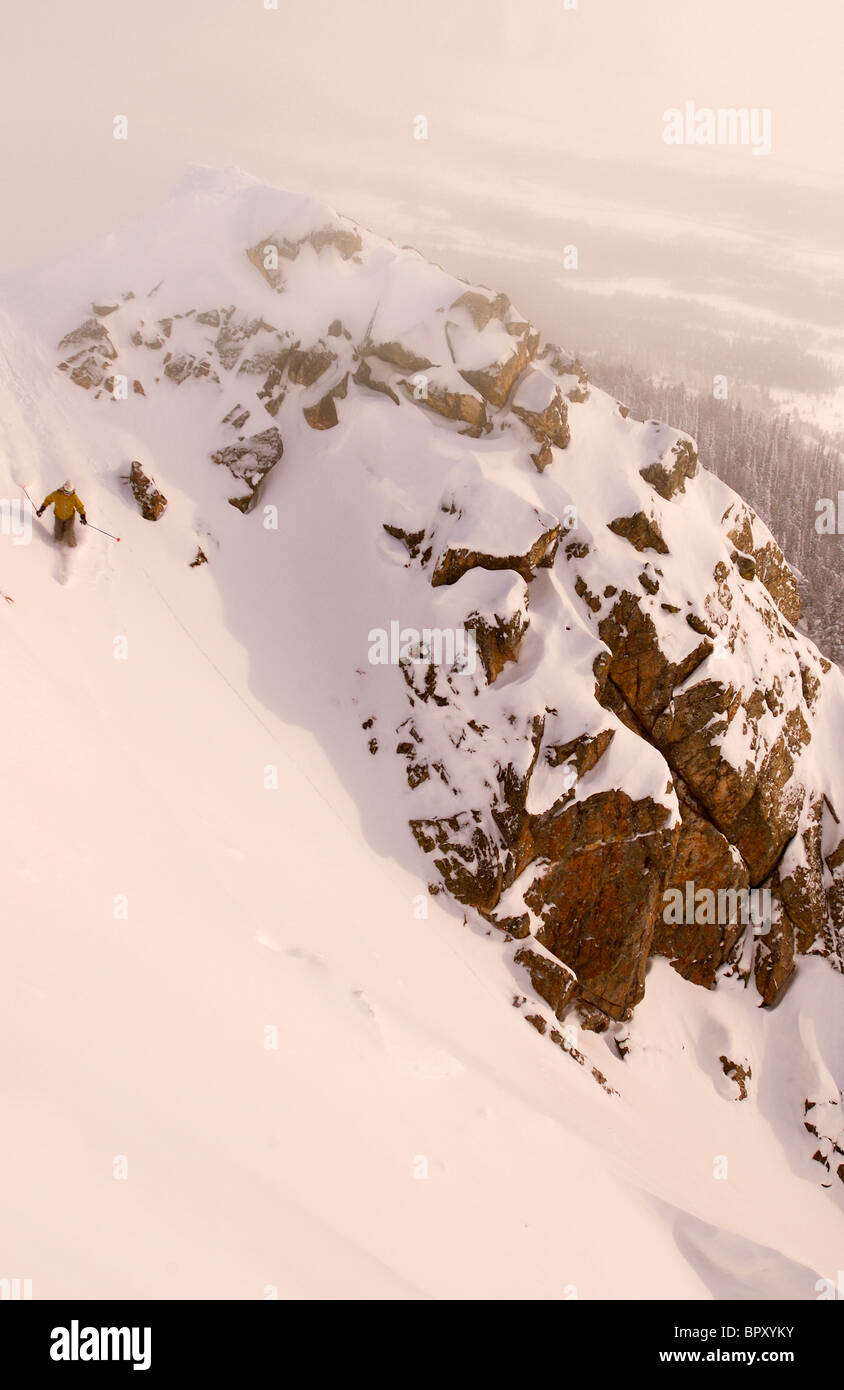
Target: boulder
[(496, 380), (553, 982), (524, 540), (151, 501), (399, 356), (464, 406), (92, 353), (641, 531), (304, 367), (323, 414), (481, 308), (670, 472), (250, 462), (364, 377), (539, 402)]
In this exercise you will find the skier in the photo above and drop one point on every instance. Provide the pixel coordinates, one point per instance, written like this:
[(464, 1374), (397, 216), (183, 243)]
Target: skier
[(66, 504)]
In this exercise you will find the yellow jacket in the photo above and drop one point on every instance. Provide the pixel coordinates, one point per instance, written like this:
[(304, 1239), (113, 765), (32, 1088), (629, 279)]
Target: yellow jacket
[(64, 503)]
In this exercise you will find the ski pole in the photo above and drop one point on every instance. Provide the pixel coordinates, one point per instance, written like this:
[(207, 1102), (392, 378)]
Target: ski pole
[(101, 531), (29, 499)]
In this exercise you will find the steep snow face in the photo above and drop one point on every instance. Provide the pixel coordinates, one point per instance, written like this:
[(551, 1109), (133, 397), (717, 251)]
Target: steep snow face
[(464, 625)]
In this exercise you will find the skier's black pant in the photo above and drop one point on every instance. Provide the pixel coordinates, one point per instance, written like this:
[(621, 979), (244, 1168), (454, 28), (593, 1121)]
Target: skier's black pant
[(64, 530)]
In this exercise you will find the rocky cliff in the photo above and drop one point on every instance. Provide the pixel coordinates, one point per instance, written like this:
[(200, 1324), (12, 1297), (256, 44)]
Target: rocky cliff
[(643, 743)]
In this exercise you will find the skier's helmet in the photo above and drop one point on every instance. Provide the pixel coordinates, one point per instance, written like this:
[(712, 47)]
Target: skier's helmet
[(67, 487)]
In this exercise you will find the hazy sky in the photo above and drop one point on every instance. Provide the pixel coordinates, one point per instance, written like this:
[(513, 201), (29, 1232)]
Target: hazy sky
[(322, 96), (545, 128)]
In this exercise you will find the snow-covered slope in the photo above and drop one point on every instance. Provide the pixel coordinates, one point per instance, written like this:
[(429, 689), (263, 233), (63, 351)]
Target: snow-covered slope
[(226, 976)]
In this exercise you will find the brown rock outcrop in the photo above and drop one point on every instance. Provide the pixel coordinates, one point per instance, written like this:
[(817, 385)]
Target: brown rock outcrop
[(704, 859), (88, 363), (151, 501), (608, 860), (397, 355), (304, 367), (739, 1072), (481, 308), (181, 365), (553, 982), (274, 389), (498, 638), (600, 869), (774, 957), (455, 561), (323, 415), (639, 668), (250, 462), (752, 805), (550, 424), (496, 381), (669, 474), (543, 457), (363, 377), (641, 531), (465, 855), (453, 405), (771, 565), (564, 364), (345, 240), (89, 334)]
